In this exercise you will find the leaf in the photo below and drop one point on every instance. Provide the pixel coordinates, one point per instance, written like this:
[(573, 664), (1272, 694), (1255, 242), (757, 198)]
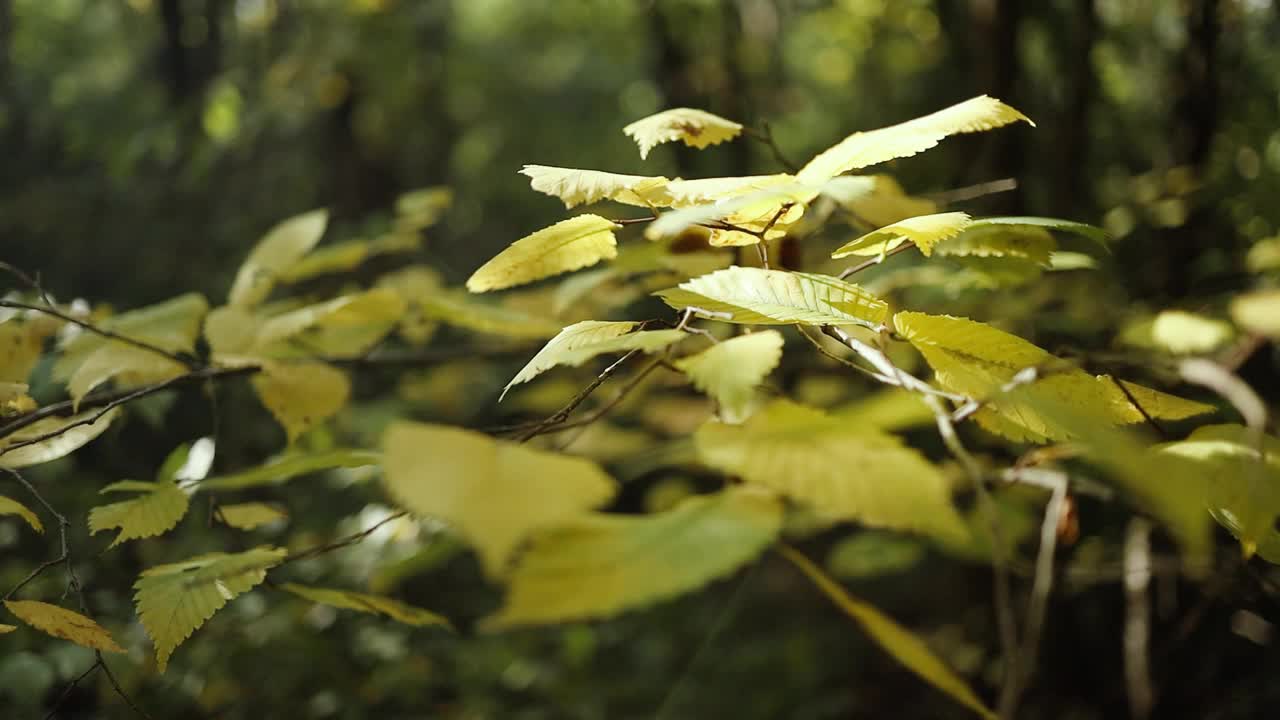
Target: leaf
[(877, 199), (1243, 486), (889, 409), (872, 553), (841, 470), (287, 467), (282, 247), (302, 394), (9, 506), (61, 437), (1028, 243), (568, 245), (64, 624), (368, 603), (494, 492), (925, 231), (1178, 332), (21, 344), (899, 642), (348, 326), (730, 371), (862, 149), (579, 187), (118, 359), (756, 296), (345, 256), (174, 600), (465, 312), (600, 565), (1258, 312), (156, 510), (421, 208), (5, 629), (695, 128), (976, 360), (1027, 222), (580, 342), (251, 515), (1264, 256)]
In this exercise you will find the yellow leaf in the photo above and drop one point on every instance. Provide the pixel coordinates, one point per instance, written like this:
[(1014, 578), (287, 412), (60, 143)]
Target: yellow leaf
[(156, 510), (899, 642), (695, 128), (461, 310), (1258, 312), (925, 231), (730, 371), (580, 342), (368, 603), (568, 245), (421, 208), (7, 628), (1178, 332), (1034, 244), (302, 394), (756, 296), (9, 506), (174, 600), (879, 199), (117, 359), (247, 516), (578, 187), (62, 623), (494, 492), (841, 470), (60, 436), (344, 256), (21, 344), (600, 565), (282, 247), (284, 468), (862, 149), (346, 326), (172, 325), (890, 409)]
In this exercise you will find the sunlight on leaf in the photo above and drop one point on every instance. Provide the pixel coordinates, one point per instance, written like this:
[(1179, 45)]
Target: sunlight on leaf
[(282, 247), (695, 128), (583, 341), (730, 371), (61, 436), (756, 296), (9, 506), (925, 231), (568, 245), (583, 187)]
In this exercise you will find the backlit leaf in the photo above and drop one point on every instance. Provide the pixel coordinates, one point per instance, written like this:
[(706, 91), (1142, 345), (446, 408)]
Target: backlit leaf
[(756, 296), (925, 231), (289, 466), (600, 565), (731, 370), (983, 240), (1025, 222), (247, 516), (368, 603), (63, 623), (61, 436), (282, 247), (583, 187), (347, 326), (9, 506), (695, 128), (1258, 312), (301, 394), (1178, 332), (156, 510), (174, 600), (568, 245), (583, 341), (494, 492)]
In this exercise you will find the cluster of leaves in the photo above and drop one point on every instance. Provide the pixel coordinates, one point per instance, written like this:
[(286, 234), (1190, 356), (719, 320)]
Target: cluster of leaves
[(539, 515)]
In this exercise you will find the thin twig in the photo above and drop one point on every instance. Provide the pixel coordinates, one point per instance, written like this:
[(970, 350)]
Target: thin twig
[(765, 135), (1141, 410), (875, 260), (90, 327), (115, 685), (71, 686), (973, 192), (344, 542), (561, 415)]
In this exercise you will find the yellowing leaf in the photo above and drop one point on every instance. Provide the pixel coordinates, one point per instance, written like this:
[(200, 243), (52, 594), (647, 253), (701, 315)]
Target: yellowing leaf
[(925, 231), (841, 470), (64, 624), (1178, 332), (286, 467), (583, 341), (301, 395), (344, 256), (494, 492), (175, 599), (877, 199), (117, 359), (1099, 236), (282, 247), (862, 149), (578, 187), (347, 326), (4, 629), (1258, 312), (756, 296), (52, 438), (368, 603), (730, 371), (247, 516), (568, 245), (754, 188), (695, 128), (899, 642), (156, 510), (9, 506), (600, 565), (459, 310), (21, 344)]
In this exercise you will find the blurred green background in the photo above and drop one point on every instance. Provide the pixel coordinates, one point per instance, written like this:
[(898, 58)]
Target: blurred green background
[(145, 145)]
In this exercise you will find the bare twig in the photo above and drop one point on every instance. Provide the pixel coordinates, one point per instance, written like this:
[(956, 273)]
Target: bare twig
[(765, 135), (344, 542), (90, 327), (71, 686), (973, 192), (561, 415)]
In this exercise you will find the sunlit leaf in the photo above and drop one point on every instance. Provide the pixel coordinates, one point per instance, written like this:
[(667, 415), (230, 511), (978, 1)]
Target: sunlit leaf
[(695, 128), (1258, 312), (494, 492), (278, 250), (756, 296), (174, 600), (1178, 332), (600, 565), (1030, 243), (64, 624), (368, 603), (579, 187), (925, 231), (583, 341), (155, 510), (52, 438), (289, 466), (730, 371), (301, 394), (9, 506), (568, 245), (247, 516)]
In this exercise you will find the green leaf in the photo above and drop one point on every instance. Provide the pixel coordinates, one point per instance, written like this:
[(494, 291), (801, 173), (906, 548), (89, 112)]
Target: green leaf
[(282, 247), (870, 553), (61, 436), (578, 187), (568, 245), (1027, 222), (348, 326), (368, 603), (981, 239), (583, 341), (251, 515), (756, 296), (301, 394), (862, 149), (843, 471), (600, 565), (899, 642), (64, 624), (345, 256), (494, 492), (890, 409), (9, 506), (421, 208), (465, 312), (731, 370), (289, 466), (925, 231), (1258, 312), (695, 128), (156, 510), (174, 600)]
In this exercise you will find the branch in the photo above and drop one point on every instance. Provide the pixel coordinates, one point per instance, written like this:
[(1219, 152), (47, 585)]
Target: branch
[(344, 542), (765, 135), (90, 327), (875, 260)]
